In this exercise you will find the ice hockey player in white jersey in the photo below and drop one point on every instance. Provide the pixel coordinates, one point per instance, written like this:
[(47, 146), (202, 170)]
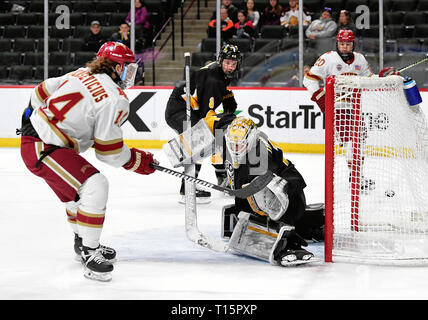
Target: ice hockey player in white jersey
[(69, 114), (343, 61)]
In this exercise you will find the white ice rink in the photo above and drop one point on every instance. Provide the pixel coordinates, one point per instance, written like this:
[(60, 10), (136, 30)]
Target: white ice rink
[(145, 224)]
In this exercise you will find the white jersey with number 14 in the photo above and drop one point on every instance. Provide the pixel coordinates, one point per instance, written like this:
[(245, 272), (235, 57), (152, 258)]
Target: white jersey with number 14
[(81, 110)]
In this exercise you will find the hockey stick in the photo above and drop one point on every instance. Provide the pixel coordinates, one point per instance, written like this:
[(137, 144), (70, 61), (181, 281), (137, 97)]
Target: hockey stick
[(413, 64), (253, 187)]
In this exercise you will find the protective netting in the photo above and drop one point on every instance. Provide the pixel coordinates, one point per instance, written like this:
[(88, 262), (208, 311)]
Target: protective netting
[(380, 172)]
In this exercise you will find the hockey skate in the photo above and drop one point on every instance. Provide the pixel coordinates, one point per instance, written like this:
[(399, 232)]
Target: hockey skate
[(202, 196), (287, 250), (108, 253), (95, 265)]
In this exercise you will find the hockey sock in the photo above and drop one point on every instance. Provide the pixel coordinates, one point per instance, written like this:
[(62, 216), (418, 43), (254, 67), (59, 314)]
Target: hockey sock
[(90, 213)]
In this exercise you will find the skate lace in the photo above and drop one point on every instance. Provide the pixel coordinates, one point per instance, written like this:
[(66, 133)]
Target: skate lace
[(97, 257)]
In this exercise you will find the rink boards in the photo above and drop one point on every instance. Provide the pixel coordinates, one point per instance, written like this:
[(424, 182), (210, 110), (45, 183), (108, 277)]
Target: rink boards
[(287, 115)]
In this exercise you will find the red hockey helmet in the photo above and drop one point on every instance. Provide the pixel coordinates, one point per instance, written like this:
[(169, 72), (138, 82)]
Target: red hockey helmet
[(345, 36), (117, 52)]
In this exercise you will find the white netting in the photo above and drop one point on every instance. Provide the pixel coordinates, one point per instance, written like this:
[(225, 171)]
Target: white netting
[(380, 172)]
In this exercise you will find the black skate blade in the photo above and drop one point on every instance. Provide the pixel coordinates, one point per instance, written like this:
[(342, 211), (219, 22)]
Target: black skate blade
[(98, 276)]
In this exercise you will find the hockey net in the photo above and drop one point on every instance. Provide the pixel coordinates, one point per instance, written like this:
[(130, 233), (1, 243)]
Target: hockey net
[(376, 172)]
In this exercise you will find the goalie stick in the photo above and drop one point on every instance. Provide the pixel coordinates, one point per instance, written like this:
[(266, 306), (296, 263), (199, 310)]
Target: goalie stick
[(253, 187), (191, 223)]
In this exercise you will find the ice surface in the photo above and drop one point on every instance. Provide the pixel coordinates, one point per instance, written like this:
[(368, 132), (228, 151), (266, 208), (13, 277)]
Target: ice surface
[(145, 224)]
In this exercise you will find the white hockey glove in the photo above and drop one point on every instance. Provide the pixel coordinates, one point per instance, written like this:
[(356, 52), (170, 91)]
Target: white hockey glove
[(272, 200)]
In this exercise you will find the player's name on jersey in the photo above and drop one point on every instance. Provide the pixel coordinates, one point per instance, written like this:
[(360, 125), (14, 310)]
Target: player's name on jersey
[(92, 84)]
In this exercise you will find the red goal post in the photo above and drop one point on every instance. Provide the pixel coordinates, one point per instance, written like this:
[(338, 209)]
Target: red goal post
[(376, 172)]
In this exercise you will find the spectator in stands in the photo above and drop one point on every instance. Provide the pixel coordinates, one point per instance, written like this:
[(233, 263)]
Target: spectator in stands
[(244, 27), (345, 22), (123, 35), (226, 25), (142, 19), (324, 27), (294, 80), (252, 14), (272, 14), (232, 11), (95, 39), (17, 8), (291, 15)]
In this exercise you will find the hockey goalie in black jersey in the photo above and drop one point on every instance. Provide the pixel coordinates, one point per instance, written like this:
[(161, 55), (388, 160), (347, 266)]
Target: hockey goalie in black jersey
[(267, 224), (273, 223)]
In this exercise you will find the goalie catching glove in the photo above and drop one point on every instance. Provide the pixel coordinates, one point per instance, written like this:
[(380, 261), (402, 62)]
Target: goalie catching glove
[(319, 98), (272, 200), (140, 162)]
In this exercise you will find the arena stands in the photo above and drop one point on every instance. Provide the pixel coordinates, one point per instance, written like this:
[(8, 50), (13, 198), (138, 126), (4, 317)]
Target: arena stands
[(21, 35), (405, 33), (22, 32)]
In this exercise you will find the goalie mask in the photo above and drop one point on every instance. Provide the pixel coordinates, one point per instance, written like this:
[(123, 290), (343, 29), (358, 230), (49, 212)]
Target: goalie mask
[(241, 136), (345, 36), (120, 53)]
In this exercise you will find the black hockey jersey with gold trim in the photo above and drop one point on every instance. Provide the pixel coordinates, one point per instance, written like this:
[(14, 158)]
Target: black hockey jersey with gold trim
[(208, 89)]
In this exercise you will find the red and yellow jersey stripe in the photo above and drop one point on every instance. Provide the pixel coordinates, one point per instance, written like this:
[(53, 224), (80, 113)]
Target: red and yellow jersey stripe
[(312, 76), (67, 140), (41, 92), (91, 220), (109, 147)]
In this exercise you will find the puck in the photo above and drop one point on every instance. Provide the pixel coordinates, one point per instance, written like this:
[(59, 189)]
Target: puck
[(390, 193)]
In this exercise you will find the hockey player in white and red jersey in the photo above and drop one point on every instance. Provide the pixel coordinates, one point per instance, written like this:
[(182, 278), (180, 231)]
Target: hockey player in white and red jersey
[(66, 116), (343, 61)]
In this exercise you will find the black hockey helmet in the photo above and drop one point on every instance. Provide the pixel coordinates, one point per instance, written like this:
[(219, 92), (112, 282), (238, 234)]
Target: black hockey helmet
[(230, 52)]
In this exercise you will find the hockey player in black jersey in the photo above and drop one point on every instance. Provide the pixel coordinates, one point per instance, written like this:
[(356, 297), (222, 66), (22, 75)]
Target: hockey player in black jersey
[(271, 223), (209, 89)]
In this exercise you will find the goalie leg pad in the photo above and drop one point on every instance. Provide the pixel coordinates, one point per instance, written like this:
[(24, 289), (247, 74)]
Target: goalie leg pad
[(252, 239)]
